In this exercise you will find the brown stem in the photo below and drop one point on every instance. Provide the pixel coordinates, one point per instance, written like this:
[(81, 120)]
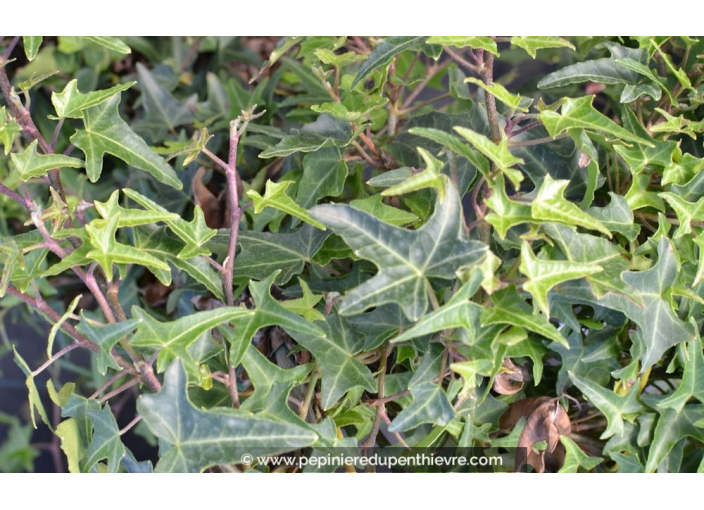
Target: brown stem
[(381, 409), (235, 212), (14, 196), (487, 75), (431, 73), (124, 387), (232, 385), (457, 58)]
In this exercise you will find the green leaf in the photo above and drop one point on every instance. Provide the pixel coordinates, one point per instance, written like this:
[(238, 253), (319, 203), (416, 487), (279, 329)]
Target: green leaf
[(264, 252), (430, 405), (70, 436), (543, 275), (384, 52), (687, 212), (455, 145), (324, 174), (575, 458), (457, 312), (550, 205), (475, 42), (506, 213), (31, 46), (498, 153), (111, 43), (334, 347), (195, 440), (613, 406), (56, 327), (172, 339), (304, 306), (379, 325), (106, 132), (106, 443), (108, 251), (692, 384), (35, 401), (672, 427), (431, 177), (276, 197), (534, 43), (267, 312), (130, 217), (580, 114), (163, 112), (405, 258), (350, 110), (513, 101), (105, 337), (70, 103), (386, 213), (324, 132), (29, 164), (509, 308), (616, 216), (8, 130)]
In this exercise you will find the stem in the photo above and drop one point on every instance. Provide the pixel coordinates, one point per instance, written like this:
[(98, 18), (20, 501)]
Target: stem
[(303, 410), (487, 76), (232, 385), (535, 141), (235, 212), (109, 382), (457, 58), (381, 409), (11, 47), (131, 424), (14, 196), (431, 73), (56, 356), (132, 382)]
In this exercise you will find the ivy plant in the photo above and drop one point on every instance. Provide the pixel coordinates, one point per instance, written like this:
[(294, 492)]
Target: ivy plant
[(291, 245)]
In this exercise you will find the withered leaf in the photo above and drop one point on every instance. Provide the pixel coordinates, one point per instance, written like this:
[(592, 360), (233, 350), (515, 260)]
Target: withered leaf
[(547, 422), (510, 380)]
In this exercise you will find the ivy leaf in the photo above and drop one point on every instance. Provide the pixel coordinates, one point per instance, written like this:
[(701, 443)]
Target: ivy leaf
[(130, 217), (31, 46), (29, 164), (105, 444), (457, 312), (326, 131), (392, 215), (692, 384), (195, 440), (379, 325), (272, 386), (509, 308), (455, 145), (334, 347), (324, 174), (575, 458), (105, 132), (498, 153), (476, 42), (305, 306), (276, 197), (108, 251), (105, 337), (173, 338), (543, 275), (550, 205), (580, 114), (267, 312), (384, 52), (431, 177), (111, 43), (687, 212), (406, 259), (430, 405), (513, 101), (264, 252), (70, 103), (672, 427), (613, 406), (506, 213), (9, 128), (534, 43), (70, 436), (616, 216), (35, 401)]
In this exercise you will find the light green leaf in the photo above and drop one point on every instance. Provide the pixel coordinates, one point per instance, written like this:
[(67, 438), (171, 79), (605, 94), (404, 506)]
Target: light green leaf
[(498, 153), (672, 427), (430, 405), (31, 46), (505, 213), (130, 217), (276, 197), (29, 164), (35, 401), (543, 275), (105, 337), (692, 384), (687, 212), (70, 103), (267, 312), (405, 258), (57, 325), (172, 339), (326, 131), (614, 407), (455, 145), (334, 347), (580, 114), (616, 216), (351, 111), (108, 251), (111, 43), (550, 205), (575, 458), (384, 52), (509, 308), (9, 128), (70, 436), (305, 306), (324, 174), (386, 213), (475, 42), (431, 177), (105, 132), (513, 101), (200, 439), (534, 43), (106, 443)]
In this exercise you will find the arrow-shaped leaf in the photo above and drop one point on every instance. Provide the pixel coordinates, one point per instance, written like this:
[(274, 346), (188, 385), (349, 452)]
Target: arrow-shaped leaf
[(275, 196), (70, 103), (29, 164), (430, 405)]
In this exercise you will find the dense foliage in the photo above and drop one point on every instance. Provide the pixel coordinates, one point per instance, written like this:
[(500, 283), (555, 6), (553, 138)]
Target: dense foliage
[(355, 241)]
